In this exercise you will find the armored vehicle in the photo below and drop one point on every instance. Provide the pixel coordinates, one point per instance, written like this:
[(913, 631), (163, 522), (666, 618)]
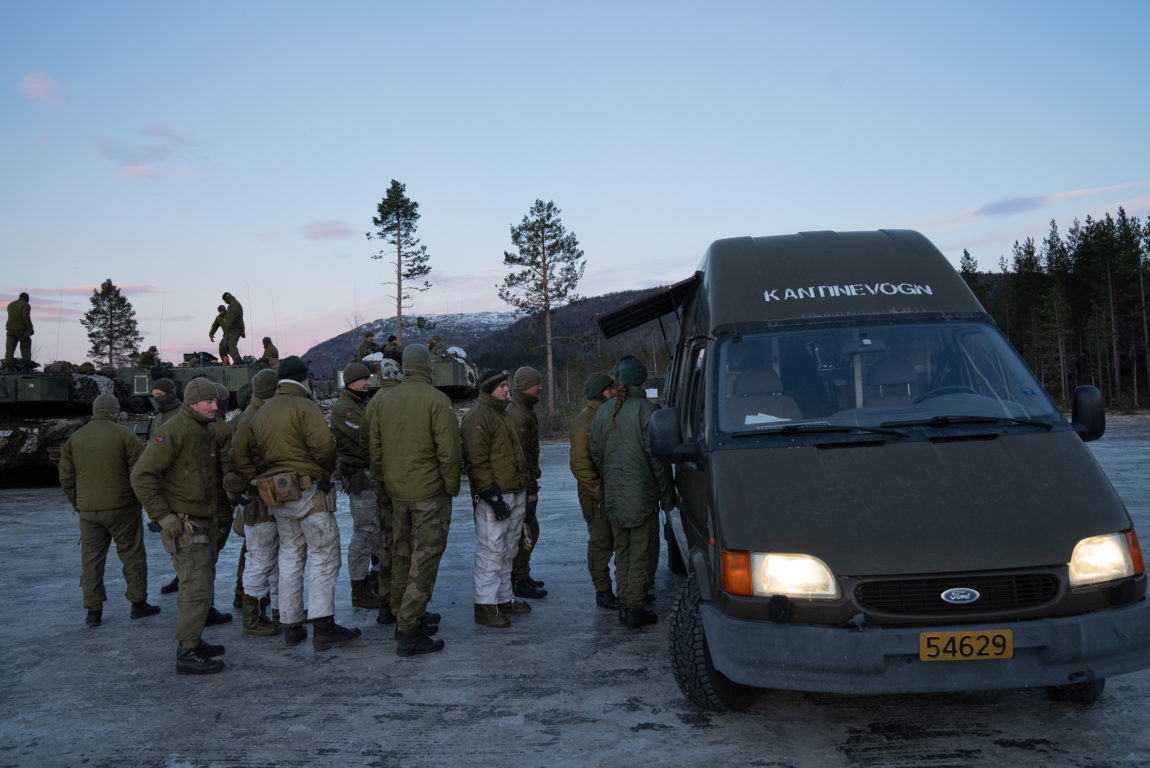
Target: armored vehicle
[(876, 495)]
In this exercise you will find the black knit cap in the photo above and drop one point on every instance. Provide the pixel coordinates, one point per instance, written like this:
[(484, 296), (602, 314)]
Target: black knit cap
[(292, 368), (491, 379)]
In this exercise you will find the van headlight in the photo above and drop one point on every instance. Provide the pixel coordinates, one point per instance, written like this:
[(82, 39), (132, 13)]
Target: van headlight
[(1098, 559), (764, 574)]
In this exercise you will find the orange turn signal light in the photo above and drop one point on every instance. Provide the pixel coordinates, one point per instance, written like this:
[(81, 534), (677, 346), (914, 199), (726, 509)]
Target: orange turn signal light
[(737, 572), (1135, 551)]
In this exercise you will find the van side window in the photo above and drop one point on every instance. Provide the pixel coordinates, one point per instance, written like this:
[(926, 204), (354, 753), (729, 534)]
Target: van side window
[(696, 384)]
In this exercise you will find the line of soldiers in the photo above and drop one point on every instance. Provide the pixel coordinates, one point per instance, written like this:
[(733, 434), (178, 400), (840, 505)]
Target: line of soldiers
[(398, 457)]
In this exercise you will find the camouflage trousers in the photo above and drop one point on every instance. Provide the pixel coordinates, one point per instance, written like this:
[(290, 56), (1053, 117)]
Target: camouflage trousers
[(385, 539), (496, 542), (97, 532), (600, 541), (365, 536), (307, 537), (419, 538), (636, 555), (529, 537), (195, 566)]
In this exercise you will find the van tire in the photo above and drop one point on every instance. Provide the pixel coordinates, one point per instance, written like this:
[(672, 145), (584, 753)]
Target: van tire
[(691, 663), (1077, 693), (675, 562)]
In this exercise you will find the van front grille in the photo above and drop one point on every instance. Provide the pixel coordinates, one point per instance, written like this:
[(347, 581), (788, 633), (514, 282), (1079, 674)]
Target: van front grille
[(923, 597)]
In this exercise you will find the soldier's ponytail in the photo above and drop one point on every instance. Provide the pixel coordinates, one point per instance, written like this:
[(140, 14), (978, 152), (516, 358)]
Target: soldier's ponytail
[(620, 396)]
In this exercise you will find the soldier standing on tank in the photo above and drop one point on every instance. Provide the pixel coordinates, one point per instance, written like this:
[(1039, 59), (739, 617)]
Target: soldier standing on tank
[(95, 472), (19, 331), (498, 473), (527, 384), (175, 480), (598, 389), (346, 427), (233, 328), (218, 325), (148, 358), (415, 450), (289, 452)]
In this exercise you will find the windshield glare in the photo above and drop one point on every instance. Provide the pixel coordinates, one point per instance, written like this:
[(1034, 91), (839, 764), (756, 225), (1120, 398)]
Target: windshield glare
[(869, 375)]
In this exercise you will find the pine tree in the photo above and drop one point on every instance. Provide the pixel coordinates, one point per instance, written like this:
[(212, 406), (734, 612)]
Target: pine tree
[(111, 326), (395, 224), (547, 267)]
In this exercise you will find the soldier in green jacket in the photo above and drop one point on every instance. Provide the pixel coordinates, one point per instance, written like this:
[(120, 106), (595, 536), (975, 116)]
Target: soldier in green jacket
[(95, 467), (175, 478), (347, 426), (598, 389), (498, 472), (218, 325), (271, 356), (526, 386), (224, 506), (418, 458), (390, 374), (18, 331), (366, 347), (635, 484), (233, 328), (289, 452)]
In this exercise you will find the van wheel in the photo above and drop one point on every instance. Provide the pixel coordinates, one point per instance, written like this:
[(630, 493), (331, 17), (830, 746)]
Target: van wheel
[(1077, 693), (691, 659), (675, 562)]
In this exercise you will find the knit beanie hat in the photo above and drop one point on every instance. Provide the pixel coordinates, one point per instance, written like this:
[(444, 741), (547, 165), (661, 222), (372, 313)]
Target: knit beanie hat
[(526, 378), (389, 369), (293, 368), (491, 379), (595, 384), (198, 390), (416, 357), (105, 404), (264, 383), (631, 372), (167, 386), (354, 372), (222, 392)]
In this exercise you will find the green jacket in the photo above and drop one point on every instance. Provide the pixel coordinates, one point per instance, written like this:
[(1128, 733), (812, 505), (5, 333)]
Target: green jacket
[(521, 412), (19, 317), (415, 444), (582, 467), (370, 423), (365, 348), (96, 465), (347, 426), (233, 483), (492, 450), (177, 470), (288, 434), (233, 319), (222, 432), (634, 481), (168, 411), (218, 324)]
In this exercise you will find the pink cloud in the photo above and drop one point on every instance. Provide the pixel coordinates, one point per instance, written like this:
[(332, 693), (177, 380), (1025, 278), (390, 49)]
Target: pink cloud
[(39, 86), (327, 230), (141, 172)]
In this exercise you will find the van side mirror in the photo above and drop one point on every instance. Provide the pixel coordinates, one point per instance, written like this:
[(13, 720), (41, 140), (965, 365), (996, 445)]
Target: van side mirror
[(667, 438), (1088, 413)]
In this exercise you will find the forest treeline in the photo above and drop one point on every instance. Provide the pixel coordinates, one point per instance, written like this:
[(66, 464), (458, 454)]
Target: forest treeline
[(1074, 306)]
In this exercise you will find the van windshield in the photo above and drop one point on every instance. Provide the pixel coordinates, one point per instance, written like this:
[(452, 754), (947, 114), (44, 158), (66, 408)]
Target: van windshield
[(870, 375)]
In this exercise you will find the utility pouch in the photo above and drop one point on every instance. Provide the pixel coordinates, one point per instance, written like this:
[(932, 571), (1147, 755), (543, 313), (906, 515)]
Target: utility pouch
[(323, 501), (279, 489), (174, 543)]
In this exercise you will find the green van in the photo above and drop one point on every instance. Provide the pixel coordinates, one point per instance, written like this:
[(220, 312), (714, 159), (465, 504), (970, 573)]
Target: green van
[(876, 495)]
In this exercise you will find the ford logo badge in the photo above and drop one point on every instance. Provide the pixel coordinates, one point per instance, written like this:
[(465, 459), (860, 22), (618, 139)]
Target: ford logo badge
[(960, 595)]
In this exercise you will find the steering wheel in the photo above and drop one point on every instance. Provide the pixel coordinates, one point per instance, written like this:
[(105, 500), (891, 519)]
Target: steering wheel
[(954, 389)]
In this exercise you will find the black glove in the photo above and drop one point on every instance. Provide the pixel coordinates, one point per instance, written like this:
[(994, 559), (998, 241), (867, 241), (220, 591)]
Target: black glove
[(242, 500), (325, 485), (495, 500), (154, 527)]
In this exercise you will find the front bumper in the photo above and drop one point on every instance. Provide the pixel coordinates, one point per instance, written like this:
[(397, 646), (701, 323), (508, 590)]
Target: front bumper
[(839, 660)]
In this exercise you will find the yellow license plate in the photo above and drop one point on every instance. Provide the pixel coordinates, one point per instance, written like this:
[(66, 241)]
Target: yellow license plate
[(966, 646)]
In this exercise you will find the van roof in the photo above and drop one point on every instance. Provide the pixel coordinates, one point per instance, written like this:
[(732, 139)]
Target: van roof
[(810, 275)]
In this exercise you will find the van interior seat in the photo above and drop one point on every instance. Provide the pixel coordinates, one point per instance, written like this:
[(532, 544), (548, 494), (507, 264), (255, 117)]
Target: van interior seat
[(889, 384), (760, 392)]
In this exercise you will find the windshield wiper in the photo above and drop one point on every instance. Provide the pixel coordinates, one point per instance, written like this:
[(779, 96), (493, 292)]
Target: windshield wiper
[(803, 429), (949, 421)]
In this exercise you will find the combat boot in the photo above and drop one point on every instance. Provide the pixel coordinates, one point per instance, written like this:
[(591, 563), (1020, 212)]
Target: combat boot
[(373, 582), (328, 634), (275, 617), (94, 617), (189, 662), (640, 617), (171, 586), (426, 625), (527, 588), (362, 596), (143, 609), (514, 607), (411, 642), (294, 634), (216, 617), (386, 616), (489, 616), (254, 623), (607, 600), (208, 650)]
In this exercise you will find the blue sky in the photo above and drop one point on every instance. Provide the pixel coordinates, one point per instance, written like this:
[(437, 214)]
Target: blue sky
[(184, 150)]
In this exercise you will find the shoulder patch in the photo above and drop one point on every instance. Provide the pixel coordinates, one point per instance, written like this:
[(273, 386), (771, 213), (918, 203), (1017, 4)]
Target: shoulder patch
[(479, 426), (159, 438)]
